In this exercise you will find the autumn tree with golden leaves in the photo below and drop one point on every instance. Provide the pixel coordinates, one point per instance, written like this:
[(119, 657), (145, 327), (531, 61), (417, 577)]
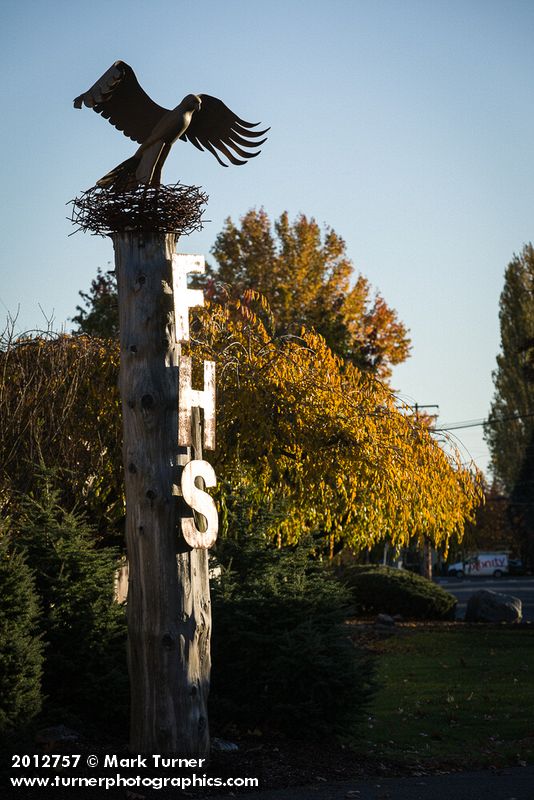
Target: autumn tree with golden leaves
[(327, 438), (305, 421), (306, 429), (309, 281)]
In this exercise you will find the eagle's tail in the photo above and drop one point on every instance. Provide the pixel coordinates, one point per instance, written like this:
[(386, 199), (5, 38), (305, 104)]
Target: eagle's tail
[(122, 177)]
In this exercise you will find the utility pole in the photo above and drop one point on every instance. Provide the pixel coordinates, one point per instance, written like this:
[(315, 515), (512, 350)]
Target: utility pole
[(416, 408), (427, 544)]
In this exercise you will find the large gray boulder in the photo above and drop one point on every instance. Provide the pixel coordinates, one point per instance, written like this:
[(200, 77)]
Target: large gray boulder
[(488, 606)]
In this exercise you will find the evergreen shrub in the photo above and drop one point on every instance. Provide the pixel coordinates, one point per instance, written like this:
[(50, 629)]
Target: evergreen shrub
[(376, 590), (85, 671), (21, 649), (282, 657)]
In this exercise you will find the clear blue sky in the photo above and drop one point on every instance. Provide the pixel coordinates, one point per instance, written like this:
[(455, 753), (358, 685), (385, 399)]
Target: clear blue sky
[(406, 125)]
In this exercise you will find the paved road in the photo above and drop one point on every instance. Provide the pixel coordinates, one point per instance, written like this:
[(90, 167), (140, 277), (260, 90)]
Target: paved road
[(522, 587), (516, 783)]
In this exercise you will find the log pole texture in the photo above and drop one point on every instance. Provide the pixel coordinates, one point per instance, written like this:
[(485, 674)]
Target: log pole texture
[(168, 609)]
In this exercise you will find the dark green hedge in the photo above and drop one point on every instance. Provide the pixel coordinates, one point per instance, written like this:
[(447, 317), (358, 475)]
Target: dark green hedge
[(376, 590)]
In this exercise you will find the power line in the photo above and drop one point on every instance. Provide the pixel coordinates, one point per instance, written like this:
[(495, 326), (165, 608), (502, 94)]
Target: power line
[(476, 423)]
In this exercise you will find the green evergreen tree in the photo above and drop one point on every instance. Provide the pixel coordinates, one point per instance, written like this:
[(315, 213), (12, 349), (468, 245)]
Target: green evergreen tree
[(282, 656), (521, 508), (21, 648), (510, 430), (85, 668), (512, 411), (99, 315)]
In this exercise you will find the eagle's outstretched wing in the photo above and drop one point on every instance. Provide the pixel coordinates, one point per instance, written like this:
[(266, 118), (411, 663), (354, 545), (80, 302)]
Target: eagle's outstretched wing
[(117, 96), (216, 126)]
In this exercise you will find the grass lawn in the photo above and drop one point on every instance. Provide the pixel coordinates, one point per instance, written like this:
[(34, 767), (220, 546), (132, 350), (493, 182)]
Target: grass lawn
[(455, 695)]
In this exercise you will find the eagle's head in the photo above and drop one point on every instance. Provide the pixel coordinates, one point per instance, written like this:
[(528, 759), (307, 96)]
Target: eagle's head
[(191, 102)]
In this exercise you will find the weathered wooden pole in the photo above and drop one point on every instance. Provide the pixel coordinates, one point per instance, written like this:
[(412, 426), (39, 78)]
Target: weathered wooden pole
[(168, 609)]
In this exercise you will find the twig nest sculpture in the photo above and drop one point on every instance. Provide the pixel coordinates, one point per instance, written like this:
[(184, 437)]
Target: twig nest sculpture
[(174, 209)]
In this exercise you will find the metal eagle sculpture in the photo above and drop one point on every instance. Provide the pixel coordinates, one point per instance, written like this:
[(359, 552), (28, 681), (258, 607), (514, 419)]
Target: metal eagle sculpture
[(203, 120)]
